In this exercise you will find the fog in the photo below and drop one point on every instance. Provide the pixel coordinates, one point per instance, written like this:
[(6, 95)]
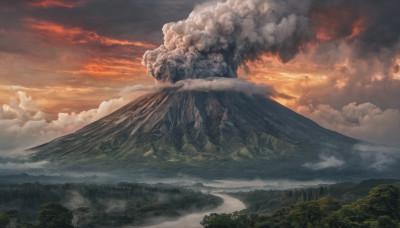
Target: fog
[(190, 218), (219, 188), (257, 184)]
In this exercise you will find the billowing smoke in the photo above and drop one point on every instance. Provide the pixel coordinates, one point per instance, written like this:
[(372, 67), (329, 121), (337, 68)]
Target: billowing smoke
[(219, 36)]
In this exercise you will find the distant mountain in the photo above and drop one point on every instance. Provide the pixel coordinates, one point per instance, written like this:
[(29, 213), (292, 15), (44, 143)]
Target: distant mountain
[(209, 134)]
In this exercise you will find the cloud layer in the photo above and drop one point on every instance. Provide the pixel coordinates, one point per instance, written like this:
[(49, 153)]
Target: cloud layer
[(363, 121), (326, 162), (382, 157), (24, 125)]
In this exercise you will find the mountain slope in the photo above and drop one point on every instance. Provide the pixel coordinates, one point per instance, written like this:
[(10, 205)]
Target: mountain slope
[(201, 133)]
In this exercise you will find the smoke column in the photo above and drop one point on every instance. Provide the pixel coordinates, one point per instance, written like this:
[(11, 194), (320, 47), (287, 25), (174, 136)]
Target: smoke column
[(219, 36)]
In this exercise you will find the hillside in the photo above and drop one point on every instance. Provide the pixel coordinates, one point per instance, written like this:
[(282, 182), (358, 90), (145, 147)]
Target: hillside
[(207, 134)]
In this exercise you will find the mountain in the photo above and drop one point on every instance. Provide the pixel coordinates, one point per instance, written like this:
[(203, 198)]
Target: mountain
[(209, 134)]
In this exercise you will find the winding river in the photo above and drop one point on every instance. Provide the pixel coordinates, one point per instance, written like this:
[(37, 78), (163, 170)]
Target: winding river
[(230, 204)]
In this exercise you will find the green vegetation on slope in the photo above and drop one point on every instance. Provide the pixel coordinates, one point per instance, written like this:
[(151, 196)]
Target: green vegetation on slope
[(212, 135), (380, 209)]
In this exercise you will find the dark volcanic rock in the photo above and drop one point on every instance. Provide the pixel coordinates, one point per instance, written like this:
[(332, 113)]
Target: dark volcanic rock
[(209, 134)]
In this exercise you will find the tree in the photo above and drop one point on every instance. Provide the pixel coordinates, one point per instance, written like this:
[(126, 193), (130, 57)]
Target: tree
[(219, 221), (7, 217), (384, 200), (12, 214), (386, 222), (380, 209), (55, 215), (4, 220)]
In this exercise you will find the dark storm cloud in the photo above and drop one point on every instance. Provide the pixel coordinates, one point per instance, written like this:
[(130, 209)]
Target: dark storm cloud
[(382, 24), (138, 20), (371, 55), (142, 20), (124, 19)]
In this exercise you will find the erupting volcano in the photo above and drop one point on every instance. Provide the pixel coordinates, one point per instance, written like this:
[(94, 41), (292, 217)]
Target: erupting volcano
[(217, 125), (222, 133)]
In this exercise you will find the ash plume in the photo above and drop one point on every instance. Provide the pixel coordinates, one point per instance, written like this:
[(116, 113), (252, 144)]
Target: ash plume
[(219, 36)]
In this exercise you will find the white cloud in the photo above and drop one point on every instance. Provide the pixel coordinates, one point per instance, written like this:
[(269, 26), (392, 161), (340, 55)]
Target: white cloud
[(225, 84), (326, 162), (24, 125), (23, 166), (380, 156), (127, 91), (363, 121), (207, 85)]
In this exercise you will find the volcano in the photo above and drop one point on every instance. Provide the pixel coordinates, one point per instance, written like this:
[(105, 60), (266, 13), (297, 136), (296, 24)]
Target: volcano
[(207, 134), (219, 132)]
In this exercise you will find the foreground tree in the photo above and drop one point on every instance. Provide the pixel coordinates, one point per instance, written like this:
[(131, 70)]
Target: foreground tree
[(380, 209), (8, 217), (55, 215), (4, 220)]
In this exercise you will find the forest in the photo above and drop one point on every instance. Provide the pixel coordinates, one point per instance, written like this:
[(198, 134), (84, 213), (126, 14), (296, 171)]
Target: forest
[(367, 204), (317, 208), (267, 201), (95, 205)]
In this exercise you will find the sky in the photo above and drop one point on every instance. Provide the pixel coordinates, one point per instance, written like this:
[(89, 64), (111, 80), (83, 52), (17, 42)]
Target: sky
[(66, 63)]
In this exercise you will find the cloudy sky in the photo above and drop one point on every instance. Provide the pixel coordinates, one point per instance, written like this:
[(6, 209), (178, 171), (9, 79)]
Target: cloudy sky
[(65, 63)]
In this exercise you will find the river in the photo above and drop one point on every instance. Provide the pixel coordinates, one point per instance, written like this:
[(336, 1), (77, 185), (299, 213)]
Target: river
[(192, 220)]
